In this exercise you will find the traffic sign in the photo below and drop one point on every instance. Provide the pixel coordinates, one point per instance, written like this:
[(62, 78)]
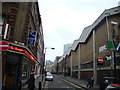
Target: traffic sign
[(4, 45), (100, 60)]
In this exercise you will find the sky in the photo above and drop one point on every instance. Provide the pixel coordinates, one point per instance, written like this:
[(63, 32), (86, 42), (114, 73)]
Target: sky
[(64, 20)]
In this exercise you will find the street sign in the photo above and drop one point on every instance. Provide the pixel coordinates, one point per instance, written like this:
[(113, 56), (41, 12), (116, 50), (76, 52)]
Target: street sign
[(4, 45), (102, 48), (109, 57), (111, 46), (32, 37), (118, 46), (100, 60)]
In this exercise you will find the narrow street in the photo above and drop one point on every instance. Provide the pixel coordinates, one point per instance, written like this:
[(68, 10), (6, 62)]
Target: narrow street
[(78, 41), (60, 83)]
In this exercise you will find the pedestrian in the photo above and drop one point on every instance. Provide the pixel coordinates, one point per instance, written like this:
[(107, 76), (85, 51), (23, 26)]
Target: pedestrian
[(92, 80), (89, 82), (31, 82)]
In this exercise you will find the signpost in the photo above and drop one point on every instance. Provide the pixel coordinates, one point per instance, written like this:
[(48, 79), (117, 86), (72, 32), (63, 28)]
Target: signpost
[(100, 61), (4, 45)]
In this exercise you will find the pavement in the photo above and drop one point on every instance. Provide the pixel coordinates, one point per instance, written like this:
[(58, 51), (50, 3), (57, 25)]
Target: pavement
[(38, 83), (81, 83)]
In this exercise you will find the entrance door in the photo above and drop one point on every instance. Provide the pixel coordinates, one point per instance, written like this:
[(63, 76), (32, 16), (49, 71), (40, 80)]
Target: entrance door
[(12, 71)]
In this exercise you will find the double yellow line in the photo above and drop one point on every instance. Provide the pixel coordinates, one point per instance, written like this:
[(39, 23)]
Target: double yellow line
[(71, 83)]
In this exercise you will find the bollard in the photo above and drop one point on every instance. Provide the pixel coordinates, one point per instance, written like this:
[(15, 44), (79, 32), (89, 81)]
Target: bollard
[(40, 85)]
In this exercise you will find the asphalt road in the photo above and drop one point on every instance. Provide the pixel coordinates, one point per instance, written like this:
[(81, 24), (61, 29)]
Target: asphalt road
[(60, 84)]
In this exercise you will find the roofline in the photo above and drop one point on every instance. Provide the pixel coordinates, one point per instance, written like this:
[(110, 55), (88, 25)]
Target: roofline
[(106, 12)]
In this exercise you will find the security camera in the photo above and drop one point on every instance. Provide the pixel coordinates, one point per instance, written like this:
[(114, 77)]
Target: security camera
[(114, 22)]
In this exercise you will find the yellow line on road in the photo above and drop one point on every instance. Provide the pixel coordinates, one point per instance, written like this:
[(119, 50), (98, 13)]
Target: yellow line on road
[(70, 83)]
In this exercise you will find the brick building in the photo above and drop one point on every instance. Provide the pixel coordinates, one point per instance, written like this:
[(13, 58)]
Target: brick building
[(56, 64), (81, 59), (22, 22)]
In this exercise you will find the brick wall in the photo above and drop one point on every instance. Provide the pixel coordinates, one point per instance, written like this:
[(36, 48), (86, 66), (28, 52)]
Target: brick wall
[(86, 51)]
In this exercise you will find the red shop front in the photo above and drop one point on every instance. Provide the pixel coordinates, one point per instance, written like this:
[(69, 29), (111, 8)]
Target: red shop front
[(17, 63)]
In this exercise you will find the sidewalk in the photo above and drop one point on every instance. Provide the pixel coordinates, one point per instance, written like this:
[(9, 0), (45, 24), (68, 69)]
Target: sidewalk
[(38, 81), (81, 83)]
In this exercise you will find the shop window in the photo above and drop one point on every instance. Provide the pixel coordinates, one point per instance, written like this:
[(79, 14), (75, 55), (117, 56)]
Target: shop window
[(24, 70)]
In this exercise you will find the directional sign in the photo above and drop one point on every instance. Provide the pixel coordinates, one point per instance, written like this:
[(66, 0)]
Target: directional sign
[(100, 60), (4, 45), (111, 46)]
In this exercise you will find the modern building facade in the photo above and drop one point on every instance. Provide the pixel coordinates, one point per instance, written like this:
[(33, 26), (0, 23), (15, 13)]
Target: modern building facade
[(82, 58), (66, 47), (22, 29)]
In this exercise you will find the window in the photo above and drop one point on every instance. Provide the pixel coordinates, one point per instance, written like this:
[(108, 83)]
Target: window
[(75, 67), (24, 70), (87, 65)]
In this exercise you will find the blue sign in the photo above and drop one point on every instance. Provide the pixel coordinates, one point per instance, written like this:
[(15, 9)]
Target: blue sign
[(117, 49), (32, 37)]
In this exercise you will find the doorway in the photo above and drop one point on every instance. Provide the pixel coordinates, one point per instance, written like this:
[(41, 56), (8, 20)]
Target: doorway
[(12, 69)]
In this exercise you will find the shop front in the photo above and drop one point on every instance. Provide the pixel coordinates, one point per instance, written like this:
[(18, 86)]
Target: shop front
[(11, 69), (17, 63)]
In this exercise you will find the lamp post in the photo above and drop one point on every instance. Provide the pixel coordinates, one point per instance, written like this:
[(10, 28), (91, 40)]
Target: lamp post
[(42, 68), (114, 52), (45, 51), (48, 48)]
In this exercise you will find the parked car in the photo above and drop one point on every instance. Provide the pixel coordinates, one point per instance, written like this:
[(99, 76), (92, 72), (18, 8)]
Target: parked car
[(48, 76), (105, 81), (113, 87)]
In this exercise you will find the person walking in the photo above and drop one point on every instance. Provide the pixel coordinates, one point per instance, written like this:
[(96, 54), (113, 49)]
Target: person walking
[(92, 80), (31, 82), (89, 82)]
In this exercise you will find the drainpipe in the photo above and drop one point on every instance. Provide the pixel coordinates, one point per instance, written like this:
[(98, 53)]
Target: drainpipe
[(79, 62), (94, 59), (71, 65)]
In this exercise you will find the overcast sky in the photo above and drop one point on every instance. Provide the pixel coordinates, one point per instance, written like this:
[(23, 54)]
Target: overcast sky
[(64, 20)]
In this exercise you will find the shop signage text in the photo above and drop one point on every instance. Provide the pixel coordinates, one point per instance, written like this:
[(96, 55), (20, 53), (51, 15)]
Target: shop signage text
[(23, 51)]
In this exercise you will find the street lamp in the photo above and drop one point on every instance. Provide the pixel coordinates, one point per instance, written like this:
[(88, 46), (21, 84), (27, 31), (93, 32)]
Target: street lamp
[(45, 51), (49, 48), (42, 66)]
